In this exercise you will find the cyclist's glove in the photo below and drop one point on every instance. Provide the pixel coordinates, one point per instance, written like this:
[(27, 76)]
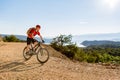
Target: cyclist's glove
[(43, 41)]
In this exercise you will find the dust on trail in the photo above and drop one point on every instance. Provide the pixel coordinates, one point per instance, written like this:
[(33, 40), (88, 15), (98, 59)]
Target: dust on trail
[(14, 67)]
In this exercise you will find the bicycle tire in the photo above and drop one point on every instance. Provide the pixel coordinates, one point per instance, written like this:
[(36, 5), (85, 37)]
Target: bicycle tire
[(42, 55), (25, 55)]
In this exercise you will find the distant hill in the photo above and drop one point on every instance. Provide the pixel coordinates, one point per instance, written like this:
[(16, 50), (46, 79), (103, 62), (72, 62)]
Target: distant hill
[(92, 37), (101, 43), (23, 37)]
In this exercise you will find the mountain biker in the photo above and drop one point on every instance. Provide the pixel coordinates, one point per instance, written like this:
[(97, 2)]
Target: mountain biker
[(31, 33)]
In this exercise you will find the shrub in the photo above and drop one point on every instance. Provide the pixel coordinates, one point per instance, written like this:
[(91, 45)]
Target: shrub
[(70, 51), (10, 38)]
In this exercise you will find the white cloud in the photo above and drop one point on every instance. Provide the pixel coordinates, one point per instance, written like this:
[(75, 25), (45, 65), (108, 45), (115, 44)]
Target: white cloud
[(111, 4)]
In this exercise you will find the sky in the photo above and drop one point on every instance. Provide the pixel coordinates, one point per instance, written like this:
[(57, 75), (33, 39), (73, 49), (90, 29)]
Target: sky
[(76, 17)]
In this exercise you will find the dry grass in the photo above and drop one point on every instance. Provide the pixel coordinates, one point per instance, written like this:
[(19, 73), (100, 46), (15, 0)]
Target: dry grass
[(14, 67)]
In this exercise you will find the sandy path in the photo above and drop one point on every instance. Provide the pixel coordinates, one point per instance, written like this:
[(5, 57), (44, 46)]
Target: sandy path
[(13, 67)]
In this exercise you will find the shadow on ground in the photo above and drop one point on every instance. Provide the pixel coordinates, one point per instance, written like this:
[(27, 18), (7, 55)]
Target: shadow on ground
[(18, 66)]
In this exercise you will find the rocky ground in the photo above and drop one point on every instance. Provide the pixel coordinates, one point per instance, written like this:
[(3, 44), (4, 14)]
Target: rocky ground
[(14, 67)]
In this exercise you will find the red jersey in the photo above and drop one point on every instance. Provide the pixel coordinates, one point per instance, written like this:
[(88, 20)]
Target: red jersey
[(33, 32)]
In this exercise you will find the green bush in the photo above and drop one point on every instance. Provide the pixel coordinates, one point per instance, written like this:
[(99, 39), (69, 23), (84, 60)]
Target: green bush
[(91, 59), (70, 51), (11, 38), (80, 55)]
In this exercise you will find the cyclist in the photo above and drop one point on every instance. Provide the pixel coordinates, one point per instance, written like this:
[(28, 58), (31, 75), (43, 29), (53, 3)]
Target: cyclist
[(31, 33)]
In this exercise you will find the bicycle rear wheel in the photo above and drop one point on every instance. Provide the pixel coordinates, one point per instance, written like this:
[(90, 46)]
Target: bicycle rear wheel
[(26, 55), (43, 55)]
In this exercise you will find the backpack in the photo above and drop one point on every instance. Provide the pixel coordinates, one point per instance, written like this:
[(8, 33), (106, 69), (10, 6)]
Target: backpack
[(29, 30)]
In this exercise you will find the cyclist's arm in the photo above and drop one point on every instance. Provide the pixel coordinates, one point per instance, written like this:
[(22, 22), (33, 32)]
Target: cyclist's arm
[(41, 37)]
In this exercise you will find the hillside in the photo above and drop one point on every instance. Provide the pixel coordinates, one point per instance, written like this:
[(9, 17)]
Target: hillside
[(14, 67), (100, 42)]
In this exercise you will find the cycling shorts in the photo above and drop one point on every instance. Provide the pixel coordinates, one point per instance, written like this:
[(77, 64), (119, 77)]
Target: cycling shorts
[(31, 40)]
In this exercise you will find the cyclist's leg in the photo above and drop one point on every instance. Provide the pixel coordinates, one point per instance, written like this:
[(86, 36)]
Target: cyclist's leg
[(29, 40)]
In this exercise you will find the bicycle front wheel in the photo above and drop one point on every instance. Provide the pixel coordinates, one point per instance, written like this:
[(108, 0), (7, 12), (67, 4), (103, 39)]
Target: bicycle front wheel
[(43, 55)]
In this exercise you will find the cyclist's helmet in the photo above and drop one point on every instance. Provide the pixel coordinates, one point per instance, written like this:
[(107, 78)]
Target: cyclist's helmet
[(38, 26)]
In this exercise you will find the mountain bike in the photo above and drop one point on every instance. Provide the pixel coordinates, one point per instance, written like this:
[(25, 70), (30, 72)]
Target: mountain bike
[(42, 54)]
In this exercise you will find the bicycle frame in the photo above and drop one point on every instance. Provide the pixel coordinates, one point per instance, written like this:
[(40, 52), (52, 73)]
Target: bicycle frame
[(36, 46)]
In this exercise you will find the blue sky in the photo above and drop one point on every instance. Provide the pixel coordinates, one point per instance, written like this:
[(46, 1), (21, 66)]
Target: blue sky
[(56, 17)]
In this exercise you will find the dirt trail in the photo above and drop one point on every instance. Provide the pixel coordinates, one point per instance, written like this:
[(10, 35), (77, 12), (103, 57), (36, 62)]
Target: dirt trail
[(13, 67)]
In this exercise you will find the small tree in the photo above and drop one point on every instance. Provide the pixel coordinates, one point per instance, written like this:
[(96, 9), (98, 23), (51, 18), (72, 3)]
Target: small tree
[(62, 40), (64, 44)]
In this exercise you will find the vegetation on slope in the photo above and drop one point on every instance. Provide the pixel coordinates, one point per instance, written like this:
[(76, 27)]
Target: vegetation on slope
[(91, 54)]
